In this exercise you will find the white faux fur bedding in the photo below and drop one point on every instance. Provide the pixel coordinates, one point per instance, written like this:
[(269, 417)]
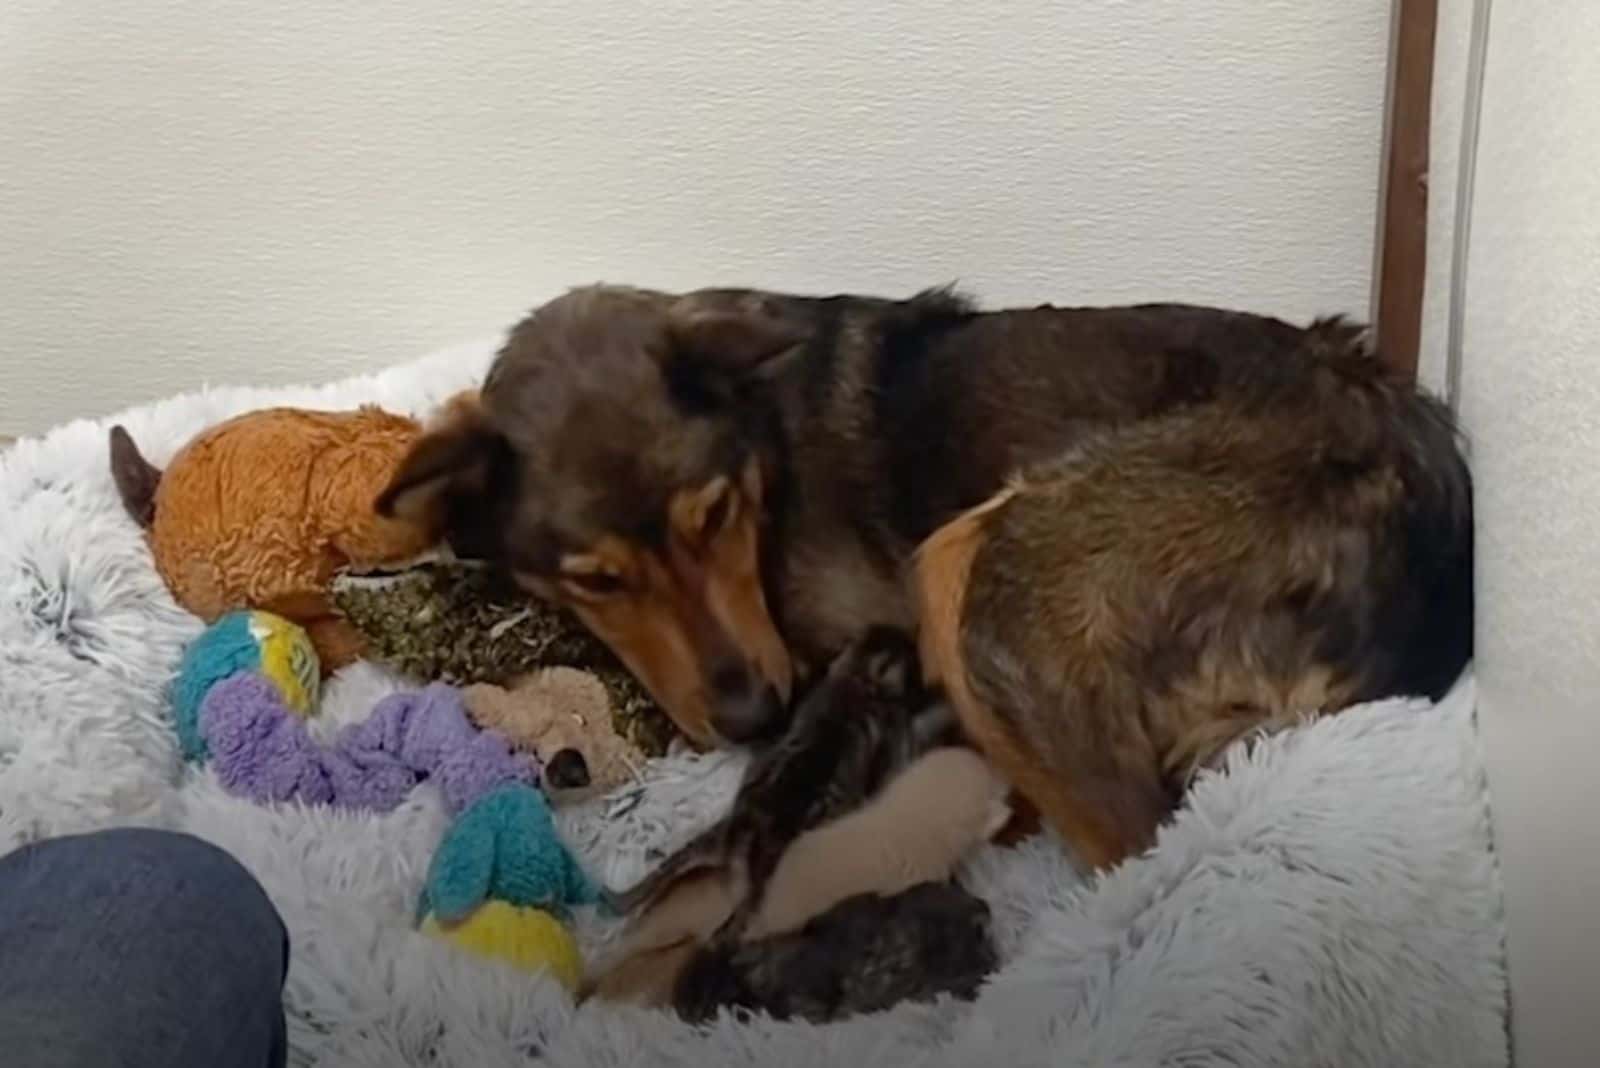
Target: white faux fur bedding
[(1329, 898)]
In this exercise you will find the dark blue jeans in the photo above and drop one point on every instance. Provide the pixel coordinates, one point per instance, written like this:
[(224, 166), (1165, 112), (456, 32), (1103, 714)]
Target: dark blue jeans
[(137, 949)]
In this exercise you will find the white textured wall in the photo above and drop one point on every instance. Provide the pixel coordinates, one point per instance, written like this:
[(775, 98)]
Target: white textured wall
[(227, 190), (1531, 400)]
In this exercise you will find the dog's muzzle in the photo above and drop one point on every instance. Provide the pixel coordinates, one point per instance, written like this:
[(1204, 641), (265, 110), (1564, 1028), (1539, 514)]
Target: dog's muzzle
[(745, 707)]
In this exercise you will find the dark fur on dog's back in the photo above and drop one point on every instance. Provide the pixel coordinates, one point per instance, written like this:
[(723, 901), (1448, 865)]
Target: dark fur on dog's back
[(1118, 615), (1011, 387), (893, 417)]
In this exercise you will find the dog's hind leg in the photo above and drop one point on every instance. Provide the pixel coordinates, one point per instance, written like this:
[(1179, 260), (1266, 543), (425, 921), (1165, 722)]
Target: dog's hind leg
[(1106, 801)]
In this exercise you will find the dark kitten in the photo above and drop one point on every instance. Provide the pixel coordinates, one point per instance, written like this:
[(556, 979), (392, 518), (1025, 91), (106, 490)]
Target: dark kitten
[(865, 954)]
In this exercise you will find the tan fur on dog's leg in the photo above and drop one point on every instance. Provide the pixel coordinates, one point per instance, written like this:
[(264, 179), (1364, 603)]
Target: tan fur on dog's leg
[(942, 564), (660, 942), (943, 569), (693, 908), (646, 978)]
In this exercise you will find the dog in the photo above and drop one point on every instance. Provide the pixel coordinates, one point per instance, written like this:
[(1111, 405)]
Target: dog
[(857, 727), (728, 485), (1114, 618)]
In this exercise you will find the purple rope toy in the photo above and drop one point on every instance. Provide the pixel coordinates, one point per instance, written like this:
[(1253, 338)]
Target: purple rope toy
[(262, 750)]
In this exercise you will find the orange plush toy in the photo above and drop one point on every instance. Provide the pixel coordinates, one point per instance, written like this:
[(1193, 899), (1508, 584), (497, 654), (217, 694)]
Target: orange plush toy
[(261, 511)]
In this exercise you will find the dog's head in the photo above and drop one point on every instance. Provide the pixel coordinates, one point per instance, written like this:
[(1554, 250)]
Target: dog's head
[(612, 464)]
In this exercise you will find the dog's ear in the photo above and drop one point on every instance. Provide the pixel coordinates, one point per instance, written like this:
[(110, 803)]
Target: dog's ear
[(730, 330), (453, 459)]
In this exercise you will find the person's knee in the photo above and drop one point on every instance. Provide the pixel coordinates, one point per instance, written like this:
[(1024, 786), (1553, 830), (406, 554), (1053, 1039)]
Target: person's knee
[(195, 873), (172, 850), (143, 940), (166, 876)]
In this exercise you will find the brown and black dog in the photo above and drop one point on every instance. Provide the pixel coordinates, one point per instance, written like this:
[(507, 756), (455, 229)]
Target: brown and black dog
[(729, 485)]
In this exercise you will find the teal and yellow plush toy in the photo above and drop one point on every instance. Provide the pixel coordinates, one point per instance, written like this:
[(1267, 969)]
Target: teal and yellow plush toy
[(529, 939), (501, 885), (258, 642)]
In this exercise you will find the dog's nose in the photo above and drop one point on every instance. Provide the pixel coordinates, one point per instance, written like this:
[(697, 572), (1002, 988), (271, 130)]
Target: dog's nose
[(746, 709)]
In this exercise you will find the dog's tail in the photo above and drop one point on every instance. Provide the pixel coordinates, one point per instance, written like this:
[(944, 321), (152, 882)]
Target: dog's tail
[(1432, 609), (1439, 541), (136, 477)]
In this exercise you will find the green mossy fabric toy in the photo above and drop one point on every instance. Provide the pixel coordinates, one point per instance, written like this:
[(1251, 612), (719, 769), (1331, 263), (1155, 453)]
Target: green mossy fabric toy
[(460, 623)]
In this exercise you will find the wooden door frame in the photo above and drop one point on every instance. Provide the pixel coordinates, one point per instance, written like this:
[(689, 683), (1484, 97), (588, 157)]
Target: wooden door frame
[(1400, 254)]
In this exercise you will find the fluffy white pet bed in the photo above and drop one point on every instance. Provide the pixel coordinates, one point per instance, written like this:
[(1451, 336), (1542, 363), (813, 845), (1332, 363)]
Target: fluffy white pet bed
[(1330, 898)]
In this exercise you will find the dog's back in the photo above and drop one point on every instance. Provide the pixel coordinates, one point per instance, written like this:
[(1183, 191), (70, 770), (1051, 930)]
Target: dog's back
[(966, 398), (1119, 615), (902, 414)]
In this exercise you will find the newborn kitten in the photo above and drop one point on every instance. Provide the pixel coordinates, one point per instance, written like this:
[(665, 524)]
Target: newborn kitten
[(917, 830), (866, 954)]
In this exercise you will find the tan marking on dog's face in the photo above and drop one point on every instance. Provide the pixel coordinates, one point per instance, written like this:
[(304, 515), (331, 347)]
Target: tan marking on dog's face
[(691, 622), (718, 530), (631, 601)]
